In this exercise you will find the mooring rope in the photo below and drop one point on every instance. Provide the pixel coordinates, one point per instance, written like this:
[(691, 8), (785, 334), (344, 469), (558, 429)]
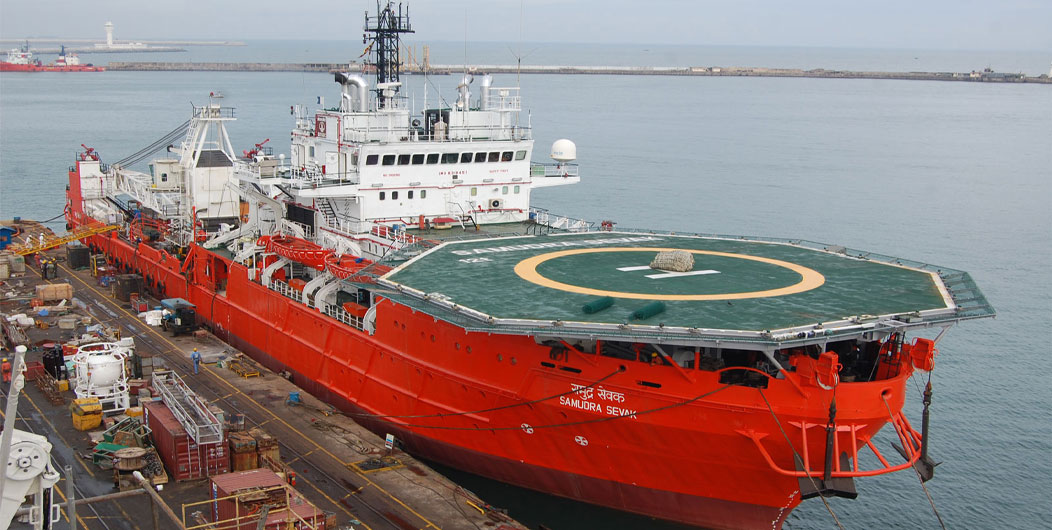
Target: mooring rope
[(924, 486), (513, 405), (626, 414), (800, 460)]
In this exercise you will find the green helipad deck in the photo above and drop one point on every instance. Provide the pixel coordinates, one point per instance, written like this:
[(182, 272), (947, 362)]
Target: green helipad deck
[(737, 286)]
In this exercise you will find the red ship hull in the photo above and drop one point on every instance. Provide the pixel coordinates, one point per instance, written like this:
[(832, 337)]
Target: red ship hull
[(501, 406), (11, 67)]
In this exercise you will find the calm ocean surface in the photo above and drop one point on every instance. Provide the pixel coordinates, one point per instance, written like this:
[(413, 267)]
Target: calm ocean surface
[(955, 174)]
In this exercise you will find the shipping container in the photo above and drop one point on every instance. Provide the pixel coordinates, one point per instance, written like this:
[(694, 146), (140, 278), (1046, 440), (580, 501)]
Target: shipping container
[(254, 489), (184, 458), (244, 461), (243, 456), (267, 446), (124, 285), (78, 256)]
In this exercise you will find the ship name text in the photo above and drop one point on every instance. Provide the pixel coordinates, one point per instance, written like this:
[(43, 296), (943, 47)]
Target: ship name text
[(587, 393)]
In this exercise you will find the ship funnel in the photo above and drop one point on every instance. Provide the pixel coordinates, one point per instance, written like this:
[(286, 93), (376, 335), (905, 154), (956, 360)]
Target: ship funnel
[(361, 85), (487, 80), (465, 95)]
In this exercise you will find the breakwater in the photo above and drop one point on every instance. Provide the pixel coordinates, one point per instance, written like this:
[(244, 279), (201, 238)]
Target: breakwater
[(986, 76)]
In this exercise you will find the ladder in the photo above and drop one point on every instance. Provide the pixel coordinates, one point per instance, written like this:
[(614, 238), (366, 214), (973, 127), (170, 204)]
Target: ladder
[(33, 246), (187, 407)]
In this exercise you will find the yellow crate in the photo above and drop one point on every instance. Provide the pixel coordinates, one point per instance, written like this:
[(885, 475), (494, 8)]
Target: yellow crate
[(63, 385), (86, 422), (85, 406), (133, 412)]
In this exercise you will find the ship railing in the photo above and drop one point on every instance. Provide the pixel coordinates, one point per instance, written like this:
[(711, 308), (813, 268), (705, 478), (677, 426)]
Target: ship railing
[(286, 290), (547, 219), (342, 315), (398, 236), (538, 170), (140, 186), (845, 464), (471, 133), (506, 98), (343, 226), (300, 178), (214, 112)]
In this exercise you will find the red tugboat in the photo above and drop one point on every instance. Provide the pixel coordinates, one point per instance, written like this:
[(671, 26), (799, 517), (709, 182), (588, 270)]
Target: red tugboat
[(21, 60), (394, 265)]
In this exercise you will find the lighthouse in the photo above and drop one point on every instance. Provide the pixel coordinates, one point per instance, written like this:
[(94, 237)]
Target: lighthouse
[(109, 34)]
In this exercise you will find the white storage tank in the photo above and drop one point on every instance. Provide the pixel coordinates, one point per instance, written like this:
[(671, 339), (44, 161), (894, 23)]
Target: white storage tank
[(101, 373)]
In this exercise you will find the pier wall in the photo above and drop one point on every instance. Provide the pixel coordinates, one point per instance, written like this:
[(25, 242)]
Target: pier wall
[(715, 71)]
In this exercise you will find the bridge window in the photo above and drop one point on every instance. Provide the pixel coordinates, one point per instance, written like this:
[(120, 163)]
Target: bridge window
[(383, 195), (504, 190), (164, 177), (389, 160), (494, 156), (432, 158), (474, 191), (480, 157), (371, 160), (516, 189), (423, 194), (403, 160), (520, 155), (394, 195), (505, 156), (409, 194), (450, 158), (465, 158), (418, 159)]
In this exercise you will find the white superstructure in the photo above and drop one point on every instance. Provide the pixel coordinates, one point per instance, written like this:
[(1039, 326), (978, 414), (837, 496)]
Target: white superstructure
[(366, 171)]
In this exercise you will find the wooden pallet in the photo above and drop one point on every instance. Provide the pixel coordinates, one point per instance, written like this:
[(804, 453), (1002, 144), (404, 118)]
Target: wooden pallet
[(243, 369), (49, 387)]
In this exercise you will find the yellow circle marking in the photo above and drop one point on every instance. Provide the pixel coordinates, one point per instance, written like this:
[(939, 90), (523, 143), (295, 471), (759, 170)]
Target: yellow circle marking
[(810, 278)]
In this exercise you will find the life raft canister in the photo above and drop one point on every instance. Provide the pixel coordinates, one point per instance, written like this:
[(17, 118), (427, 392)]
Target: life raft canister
[(827, 370), (923, 352)]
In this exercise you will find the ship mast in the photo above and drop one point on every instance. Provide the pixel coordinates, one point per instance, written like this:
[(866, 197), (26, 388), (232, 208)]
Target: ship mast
[(386, 27)]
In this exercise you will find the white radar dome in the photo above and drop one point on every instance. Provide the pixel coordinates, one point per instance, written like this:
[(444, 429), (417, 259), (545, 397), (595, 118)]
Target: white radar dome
[(564, 151)]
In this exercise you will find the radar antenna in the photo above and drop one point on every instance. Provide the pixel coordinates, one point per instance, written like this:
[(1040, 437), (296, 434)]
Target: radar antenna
[(386, 27)]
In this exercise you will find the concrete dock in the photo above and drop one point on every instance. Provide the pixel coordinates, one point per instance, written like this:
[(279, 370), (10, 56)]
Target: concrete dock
[(341, 468), (984, 76)]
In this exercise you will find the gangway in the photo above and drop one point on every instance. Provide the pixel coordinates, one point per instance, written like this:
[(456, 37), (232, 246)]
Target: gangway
[(32, 245), (187, 407)]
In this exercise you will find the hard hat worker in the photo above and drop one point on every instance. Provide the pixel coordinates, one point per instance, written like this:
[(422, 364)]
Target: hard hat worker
[(196, 358), (7, 370)]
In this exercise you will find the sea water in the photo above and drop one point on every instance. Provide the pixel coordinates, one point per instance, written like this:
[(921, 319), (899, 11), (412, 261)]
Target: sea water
[(949, 173)]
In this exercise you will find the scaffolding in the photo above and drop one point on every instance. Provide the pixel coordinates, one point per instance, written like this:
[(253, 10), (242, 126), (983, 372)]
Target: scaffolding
[(46, 242), (187, 407)]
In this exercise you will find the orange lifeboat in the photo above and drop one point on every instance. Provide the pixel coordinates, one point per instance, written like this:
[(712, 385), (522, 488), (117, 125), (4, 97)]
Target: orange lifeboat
[(345, 266), (296, 249)]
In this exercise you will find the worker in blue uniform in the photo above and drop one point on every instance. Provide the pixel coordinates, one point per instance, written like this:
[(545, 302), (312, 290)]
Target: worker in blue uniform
[(196, 358)]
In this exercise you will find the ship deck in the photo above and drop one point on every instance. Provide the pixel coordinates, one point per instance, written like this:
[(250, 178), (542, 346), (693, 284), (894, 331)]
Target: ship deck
[(738, 285)]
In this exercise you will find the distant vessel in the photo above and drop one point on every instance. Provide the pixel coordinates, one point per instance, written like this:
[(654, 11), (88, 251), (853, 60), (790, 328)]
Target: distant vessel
[(394, 266), (21, 60)]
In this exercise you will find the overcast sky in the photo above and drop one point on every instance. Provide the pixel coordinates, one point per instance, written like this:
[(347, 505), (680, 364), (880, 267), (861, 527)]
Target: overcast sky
[(913, 24)]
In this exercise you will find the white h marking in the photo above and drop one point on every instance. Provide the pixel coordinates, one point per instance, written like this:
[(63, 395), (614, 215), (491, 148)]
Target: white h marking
[(665, 274)]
